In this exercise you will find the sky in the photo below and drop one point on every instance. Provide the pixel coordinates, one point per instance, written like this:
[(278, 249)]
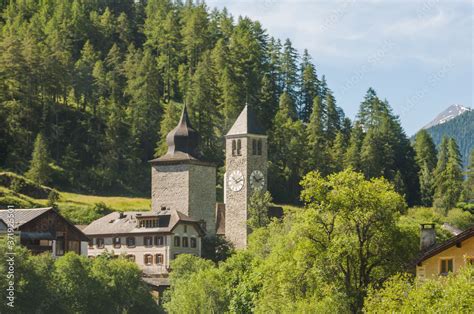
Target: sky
[(417, 54)]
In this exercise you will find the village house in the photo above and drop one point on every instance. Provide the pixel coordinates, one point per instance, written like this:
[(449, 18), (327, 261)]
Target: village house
[(44, 230), (150, 239), (443, 258)]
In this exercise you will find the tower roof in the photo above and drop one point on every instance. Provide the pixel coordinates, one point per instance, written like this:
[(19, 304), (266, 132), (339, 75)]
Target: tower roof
[(182, 141), (246, 123)]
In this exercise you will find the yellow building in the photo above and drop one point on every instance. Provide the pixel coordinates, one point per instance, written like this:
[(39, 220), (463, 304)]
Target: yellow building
[(445, 257)]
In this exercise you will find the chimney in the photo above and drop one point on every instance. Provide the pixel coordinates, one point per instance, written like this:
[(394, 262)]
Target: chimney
[(427, 236)]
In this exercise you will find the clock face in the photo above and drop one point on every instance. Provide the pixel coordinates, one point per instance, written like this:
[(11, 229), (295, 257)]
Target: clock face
[(257, 180), (236, 180)]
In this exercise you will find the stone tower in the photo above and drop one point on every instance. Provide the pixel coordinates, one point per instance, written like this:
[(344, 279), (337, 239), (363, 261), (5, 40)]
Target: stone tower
[(181, 180), (246, 170)]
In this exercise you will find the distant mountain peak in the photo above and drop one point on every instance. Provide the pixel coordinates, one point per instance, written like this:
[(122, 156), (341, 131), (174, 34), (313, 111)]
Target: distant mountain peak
[(450, 113)]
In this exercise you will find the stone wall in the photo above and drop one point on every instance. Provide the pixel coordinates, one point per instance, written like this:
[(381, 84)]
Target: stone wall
[(188, 188)]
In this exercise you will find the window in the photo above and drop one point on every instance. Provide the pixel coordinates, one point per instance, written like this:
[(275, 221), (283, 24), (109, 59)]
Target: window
[(446, 266), (131, 257), (259, 147), (117, 243), (91, 243), (148, 223), (100, 243), (193, 242), (159, 259), (60, 245), (239, 146), (159, 240), (131, 241), (177, 241), (148, 241), (254, 147), (148, 259), (185, 242), (185, 228), (234, 148)]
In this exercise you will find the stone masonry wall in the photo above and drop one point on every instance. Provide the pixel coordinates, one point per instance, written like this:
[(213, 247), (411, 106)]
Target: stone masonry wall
[(188, 188)]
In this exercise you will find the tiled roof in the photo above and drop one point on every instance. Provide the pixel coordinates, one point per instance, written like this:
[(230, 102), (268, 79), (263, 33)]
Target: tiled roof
[(22, 216), (126, 222), (445, 245)]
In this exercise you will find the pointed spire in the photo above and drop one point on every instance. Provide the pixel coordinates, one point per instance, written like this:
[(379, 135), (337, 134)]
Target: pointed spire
[(246, 123)]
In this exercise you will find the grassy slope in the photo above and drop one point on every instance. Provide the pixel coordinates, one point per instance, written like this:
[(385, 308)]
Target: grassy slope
[(118, 203)]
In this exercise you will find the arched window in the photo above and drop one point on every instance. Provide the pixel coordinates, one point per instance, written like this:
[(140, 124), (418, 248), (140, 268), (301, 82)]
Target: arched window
[(234, 148), (254, 147), (239, 146), (259, 147)]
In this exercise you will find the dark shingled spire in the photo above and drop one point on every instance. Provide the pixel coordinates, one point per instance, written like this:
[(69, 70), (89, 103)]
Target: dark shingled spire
[(182, 141)]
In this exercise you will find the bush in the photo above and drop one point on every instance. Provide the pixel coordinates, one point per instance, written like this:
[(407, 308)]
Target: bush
[(460, 218)]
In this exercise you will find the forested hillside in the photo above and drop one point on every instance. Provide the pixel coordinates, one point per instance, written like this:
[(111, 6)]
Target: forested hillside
[(93, 87), (461, 129)]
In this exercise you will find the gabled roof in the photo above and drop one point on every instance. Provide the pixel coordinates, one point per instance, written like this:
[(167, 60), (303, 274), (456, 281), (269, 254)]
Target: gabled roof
[(446, 245), (246, 123), (22, 216), (126, 222)]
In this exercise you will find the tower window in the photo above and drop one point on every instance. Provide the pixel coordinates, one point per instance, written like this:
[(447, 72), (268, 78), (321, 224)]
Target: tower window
[(239, 146), (234, 148), (259, 150), (254, 147)]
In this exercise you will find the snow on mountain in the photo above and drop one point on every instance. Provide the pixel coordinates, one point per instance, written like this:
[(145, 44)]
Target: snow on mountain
[(451, 112)]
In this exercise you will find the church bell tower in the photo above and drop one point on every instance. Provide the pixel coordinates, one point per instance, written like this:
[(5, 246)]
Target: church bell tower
[(246, 171), (181, 180)]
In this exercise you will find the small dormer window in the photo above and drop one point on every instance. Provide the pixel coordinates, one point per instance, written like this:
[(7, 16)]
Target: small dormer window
[(148, 223)]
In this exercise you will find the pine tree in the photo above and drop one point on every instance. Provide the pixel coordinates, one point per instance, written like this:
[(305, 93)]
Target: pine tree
[(333, 121), (202, 106), (318, 158), (449, 178), (309, 87), (286, 144), (289, 70), (352, 156), (426, 159), (144, 108), (337, 153), (230, 98), (84, 80), (39, 170)]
